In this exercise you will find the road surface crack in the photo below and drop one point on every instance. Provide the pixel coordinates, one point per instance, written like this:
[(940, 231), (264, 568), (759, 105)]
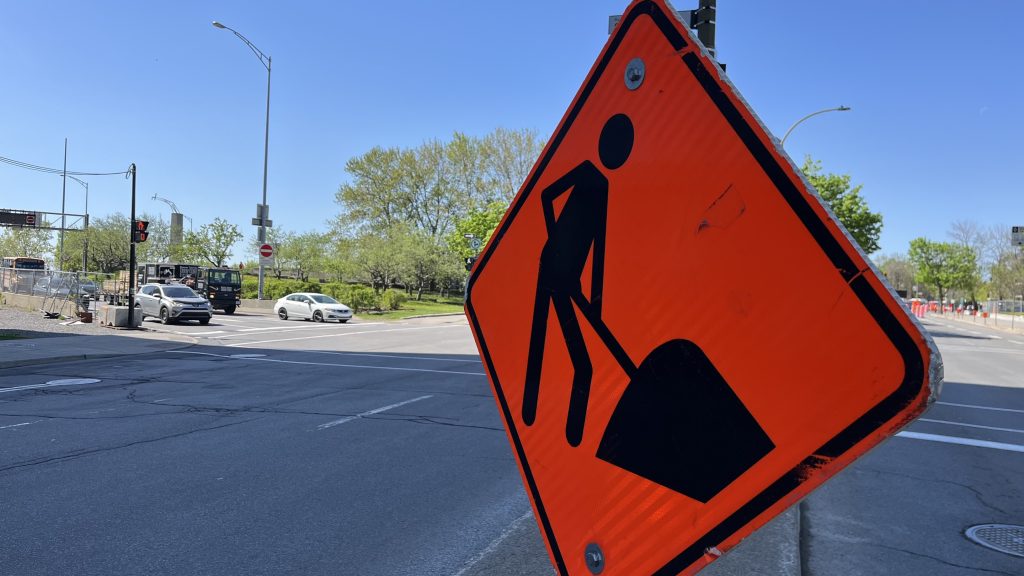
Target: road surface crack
[(90, 451), (940, 560)]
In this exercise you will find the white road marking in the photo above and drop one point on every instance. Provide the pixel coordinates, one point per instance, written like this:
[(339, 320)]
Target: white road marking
[(313, 326), (47, 385), (369, 413), (477, 361), (17, 425), (981, 407), (280, 329), (981, 350), (207, 333), (962, 441), (339, 335), (971, 425), (494, 544), (326, 364), (160, 400), (1015, 341)]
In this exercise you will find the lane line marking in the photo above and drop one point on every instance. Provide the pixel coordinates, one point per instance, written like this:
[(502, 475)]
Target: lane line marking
[(477, 361), (982, 407), (493, 546), (962, 441), (337, 335), (36, 386), (302, 363), (17, 425), (207, 333), (980, 350), (369, 413), (1015, 341), (160, 400), (304, 326), (971, 425)]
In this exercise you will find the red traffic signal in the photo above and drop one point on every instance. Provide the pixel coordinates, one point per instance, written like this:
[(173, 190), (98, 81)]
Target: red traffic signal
[(139, 231)]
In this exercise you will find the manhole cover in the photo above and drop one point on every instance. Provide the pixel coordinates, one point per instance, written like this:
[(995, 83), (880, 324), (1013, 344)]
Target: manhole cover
[(248, 355), (72, 381), (1005, 538)]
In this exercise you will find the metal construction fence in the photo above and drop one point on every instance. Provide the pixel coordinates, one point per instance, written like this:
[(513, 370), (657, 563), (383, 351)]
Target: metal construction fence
[(80, 288)]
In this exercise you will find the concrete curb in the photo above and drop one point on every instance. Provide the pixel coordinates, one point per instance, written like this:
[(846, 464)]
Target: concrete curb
[(442, 315), (185, 342)]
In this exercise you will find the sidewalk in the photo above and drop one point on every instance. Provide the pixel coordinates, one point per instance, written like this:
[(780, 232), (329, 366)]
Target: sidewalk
[(1005, 322), (52, 349)]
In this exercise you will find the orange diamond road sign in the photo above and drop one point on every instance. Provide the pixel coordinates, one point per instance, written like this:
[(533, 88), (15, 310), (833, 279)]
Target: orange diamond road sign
[(682, 340)]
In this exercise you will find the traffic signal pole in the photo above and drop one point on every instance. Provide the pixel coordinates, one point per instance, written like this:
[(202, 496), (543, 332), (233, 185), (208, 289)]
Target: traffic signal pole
[(131, 256)]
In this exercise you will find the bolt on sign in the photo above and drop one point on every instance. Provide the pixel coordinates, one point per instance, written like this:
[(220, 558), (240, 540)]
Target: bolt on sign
[(681, 338)]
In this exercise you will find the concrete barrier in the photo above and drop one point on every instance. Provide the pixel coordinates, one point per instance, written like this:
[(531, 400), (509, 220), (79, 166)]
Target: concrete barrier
[(117, 316), (65, 308), (258, 305)]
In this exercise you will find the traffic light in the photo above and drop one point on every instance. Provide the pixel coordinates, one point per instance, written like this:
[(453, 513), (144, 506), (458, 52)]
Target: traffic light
[(139, 231)]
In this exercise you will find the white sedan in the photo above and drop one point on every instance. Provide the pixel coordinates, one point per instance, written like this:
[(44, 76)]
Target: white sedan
[(312, 306)]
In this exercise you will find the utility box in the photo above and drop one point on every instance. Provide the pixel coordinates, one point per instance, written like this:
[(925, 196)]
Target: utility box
[(117, 316)]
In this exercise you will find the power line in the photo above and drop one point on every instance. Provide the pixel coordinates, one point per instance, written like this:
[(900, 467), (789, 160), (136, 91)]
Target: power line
[(38, 168)]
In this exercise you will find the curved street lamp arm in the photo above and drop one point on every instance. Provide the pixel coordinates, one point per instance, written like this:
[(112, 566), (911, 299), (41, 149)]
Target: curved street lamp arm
[(264, 59), (812, 114)]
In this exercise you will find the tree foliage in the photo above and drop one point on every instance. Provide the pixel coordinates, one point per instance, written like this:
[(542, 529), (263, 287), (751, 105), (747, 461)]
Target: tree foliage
[(404, 212), (899, 270), (943, 265), (26, 242), (211, 244), (847, 204)]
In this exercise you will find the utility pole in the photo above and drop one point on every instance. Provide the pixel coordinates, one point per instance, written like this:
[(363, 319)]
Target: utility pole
[(703, 21), (63, 196), (131, 256)]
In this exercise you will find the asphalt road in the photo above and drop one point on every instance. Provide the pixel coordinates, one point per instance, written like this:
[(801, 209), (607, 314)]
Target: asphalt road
[(904, 507), (375, 448), (275, 448)]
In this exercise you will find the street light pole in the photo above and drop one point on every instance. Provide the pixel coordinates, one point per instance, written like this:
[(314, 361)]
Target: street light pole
[(812, 114), (63, 195), (85, 242), (266, 61)]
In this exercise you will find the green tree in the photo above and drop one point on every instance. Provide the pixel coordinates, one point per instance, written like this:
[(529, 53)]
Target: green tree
[(509, 156), (379, 258), (943, 265), (26, 242), (211, 244), (899, 270), (846, 203), (304, 254), (477, 224)]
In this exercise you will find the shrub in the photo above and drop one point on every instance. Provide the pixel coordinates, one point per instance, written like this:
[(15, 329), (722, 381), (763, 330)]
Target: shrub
[(250, 287), (392, 299), (363, 298)]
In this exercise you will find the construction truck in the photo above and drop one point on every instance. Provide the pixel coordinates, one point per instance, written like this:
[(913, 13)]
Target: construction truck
[(221, 286)]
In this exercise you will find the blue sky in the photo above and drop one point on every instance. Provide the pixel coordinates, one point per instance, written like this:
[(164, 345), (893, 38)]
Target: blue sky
[(935, 89)]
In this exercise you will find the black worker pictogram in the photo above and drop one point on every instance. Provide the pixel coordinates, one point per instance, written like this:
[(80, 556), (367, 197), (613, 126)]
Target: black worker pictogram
[(677, 407)]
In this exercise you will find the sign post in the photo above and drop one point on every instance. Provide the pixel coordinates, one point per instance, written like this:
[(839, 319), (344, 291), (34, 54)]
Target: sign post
[(668, 393)]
